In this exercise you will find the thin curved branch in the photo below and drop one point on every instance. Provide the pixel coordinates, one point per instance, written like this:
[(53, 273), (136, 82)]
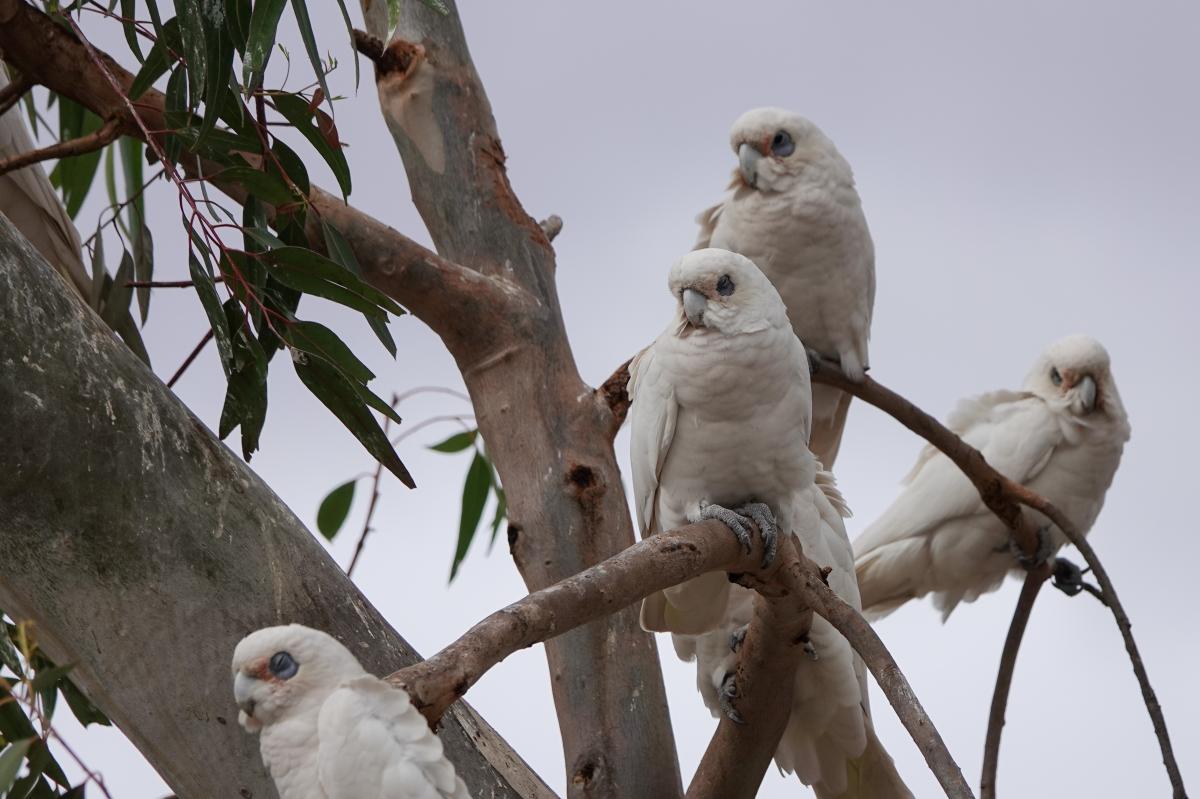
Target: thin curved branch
[(11, 94), (661, 561), (1005, 497), (96, 140), (1034, 581)]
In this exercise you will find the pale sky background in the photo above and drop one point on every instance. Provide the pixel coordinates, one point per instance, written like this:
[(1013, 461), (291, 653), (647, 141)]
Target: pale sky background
[(1028, 170)]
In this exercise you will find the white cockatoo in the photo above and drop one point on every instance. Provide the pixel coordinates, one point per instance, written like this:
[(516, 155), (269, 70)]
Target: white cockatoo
[(719, 419), (330, 730), (1061, 436), (795, 212), (30, 203)]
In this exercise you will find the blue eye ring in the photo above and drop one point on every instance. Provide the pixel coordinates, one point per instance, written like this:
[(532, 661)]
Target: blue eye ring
[(283, 665), (782, 144), (1055, 377), (725, 285)]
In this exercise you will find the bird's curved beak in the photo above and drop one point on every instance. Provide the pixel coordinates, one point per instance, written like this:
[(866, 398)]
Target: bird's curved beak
[(748, 158), (243, 693), (694, 304), (1087, 393)]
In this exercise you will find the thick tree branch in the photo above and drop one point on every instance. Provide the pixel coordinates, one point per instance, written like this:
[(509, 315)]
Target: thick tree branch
[(156, 538), (452, 300), (1008, 661), (93, 141), (738, 755), (794, 586), (655, 563)]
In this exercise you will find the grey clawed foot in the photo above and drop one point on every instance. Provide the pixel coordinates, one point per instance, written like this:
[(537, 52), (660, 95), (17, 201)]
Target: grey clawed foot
[(762, 516), (1068, 578), (1045, 548), (731, 519), (725, 696), (809, 649), (737, 638)]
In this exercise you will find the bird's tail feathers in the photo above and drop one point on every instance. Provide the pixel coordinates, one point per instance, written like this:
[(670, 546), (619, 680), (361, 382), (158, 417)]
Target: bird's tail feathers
[(871, 775)]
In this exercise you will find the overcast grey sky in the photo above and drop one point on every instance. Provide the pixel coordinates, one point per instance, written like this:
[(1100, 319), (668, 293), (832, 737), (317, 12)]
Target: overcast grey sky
[(1028, 170)]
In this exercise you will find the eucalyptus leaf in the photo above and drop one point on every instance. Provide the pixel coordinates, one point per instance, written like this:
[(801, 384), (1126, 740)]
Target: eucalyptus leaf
[(334, 509), (475, 494), (457, 442)]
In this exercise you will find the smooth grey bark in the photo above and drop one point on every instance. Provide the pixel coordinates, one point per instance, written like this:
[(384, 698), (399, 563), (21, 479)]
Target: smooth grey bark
[(143, 549)]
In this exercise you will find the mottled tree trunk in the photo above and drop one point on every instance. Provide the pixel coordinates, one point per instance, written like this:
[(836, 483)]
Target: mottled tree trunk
[(143, 549)]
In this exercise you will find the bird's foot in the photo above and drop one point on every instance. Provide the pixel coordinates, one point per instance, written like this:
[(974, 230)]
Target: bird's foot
[(731, 519), (1068, 578), (725, 696), (1045, 548), (737, 638), (809, 649), (765, 520)]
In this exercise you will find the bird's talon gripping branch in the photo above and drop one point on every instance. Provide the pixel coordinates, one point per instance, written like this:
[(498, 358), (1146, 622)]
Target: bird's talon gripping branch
[(762, 516), (725, 696), (737, 638), (1045, 548), (731, 519), (809, 650), (1068, 578)]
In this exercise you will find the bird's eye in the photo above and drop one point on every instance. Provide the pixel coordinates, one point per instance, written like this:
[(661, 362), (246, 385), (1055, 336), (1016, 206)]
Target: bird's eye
[(782, 144), (725, 285), (1055, 377), (283, 665)]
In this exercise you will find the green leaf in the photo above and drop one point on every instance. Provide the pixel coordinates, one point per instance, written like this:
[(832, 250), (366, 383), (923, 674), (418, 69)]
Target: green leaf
[(175, 105), (500, 515), (350, 34), (339, 396), (316, 339), (129, 11), (246, 394), (265, 186), (49, 677), (207, 290), (295, 109), (10, 762), (296, 172), (299, 260), (264, 20), (310, 45), (135, 209), (237, 20), (330, 291), (334, 509), (340, 251), (74, 175), (195, 44), (8, 652), (219, 69), (457, 442), (41, 761), (81, 707), (116, 303), (159, 59), (475, 494), (98, 272)]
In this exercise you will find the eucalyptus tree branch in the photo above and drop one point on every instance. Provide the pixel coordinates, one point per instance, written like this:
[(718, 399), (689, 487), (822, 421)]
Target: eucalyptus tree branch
[(551, 226), (1034, 580), (1005, 498), (794, 587), (191, 358), (96, 140)]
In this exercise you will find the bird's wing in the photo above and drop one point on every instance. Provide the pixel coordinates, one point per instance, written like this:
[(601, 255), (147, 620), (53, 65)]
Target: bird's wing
[(652, 415), (375, 745), (29, 201)]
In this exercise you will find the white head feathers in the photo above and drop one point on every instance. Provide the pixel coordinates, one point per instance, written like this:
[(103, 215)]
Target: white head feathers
[(725, 292), (776, 149), (1074, 373)]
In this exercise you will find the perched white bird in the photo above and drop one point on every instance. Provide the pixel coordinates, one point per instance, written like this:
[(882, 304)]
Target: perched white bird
[(719, 420), (1061, 436), (795, 212), (30, 203), (330, 730)]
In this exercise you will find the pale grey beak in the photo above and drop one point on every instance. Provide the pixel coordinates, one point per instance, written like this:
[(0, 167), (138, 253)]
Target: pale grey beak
[(243, 690), (694, 304), (748, 159), (1087, 393)]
